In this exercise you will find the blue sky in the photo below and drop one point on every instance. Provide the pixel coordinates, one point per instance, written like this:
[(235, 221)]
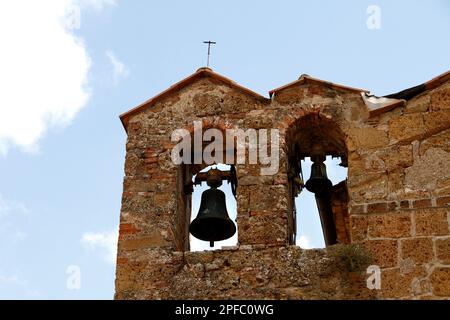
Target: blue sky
[(70, 67)]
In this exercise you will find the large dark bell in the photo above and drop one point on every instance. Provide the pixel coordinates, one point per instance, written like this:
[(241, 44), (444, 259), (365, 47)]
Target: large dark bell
[(318, 182), (212, 222)]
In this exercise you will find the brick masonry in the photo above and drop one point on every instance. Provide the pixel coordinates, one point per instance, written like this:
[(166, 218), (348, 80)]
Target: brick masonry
[(396, 201)]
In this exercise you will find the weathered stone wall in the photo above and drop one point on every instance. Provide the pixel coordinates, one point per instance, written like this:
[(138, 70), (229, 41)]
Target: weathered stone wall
[(398, 192), (399, 186), (244, 272)]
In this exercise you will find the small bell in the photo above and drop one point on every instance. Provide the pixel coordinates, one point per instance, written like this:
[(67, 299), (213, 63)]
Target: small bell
[(318, 182), (212, 222)]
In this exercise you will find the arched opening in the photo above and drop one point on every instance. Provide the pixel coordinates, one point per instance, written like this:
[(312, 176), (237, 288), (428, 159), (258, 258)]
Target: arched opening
[(209, 160), (319, 209), (231, 208), (309, 226)]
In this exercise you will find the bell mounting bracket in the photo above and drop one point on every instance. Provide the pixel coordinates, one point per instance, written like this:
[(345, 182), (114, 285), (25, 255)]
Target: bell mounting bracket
[(214, 178)]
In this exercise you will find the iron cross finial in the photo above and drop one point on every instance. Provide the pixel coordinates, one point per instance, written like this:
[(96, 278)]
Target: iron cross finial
[(209, 50)]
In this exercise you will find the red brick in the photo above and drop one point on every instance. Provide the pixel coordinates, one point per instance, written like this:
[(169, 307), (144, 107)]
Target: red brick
[(128, 194), (404, 204), (152, 168), (152, 151), (121, 261), (255, 213), (392, 206), (319, 90), (423, 203), (443, 201), (377, 207), (127, 228), (150, 160)]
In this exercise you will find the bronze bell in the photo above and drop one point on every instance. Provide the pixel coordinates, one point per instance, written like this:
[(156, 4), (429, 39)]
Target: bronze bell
[(318, 182), (212, 222)]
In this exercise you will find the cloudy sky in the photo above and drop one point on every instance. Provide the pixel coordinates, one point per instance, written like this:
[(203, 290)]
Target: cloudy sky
[(68, 68)]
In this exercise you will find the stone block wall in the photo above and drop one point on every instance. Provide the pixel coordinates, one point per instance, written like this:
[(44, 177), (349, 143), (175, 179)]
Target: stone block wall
[(396, 198), (399, 185)]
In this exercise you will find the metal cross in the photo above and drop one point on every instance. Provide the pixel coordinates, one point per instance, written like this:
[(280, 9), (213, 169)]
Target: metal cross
[(209, 50)]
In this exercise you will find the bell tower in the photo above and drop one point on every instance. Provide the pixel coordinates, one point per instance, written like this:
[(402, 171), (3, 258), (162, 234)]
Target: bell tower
[(380, 214)]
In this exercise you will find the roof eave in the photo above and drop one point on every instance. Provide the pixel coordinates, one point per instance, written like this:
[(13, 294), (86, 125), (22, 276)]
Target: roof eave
[(437, 81)]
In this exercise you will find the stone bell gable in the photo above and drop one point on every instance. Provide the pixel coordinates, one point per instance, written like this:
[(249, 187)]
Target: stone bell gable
[(395, 201)]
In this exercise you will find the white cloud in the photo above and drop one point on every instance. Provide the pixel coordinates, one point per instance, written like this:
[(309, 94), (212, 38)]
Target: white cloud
[(20, 235), (119, 69), (11, 215), (97, 4), (303, 242), (7, 207), (12, 280), (44, 68), (103, 242), (33, 293), (13, 283)]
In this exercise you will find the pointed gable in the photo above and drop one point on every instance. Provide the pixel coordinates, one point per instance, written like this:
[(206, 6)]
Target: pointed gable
[(175, 88), (304, 78)]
